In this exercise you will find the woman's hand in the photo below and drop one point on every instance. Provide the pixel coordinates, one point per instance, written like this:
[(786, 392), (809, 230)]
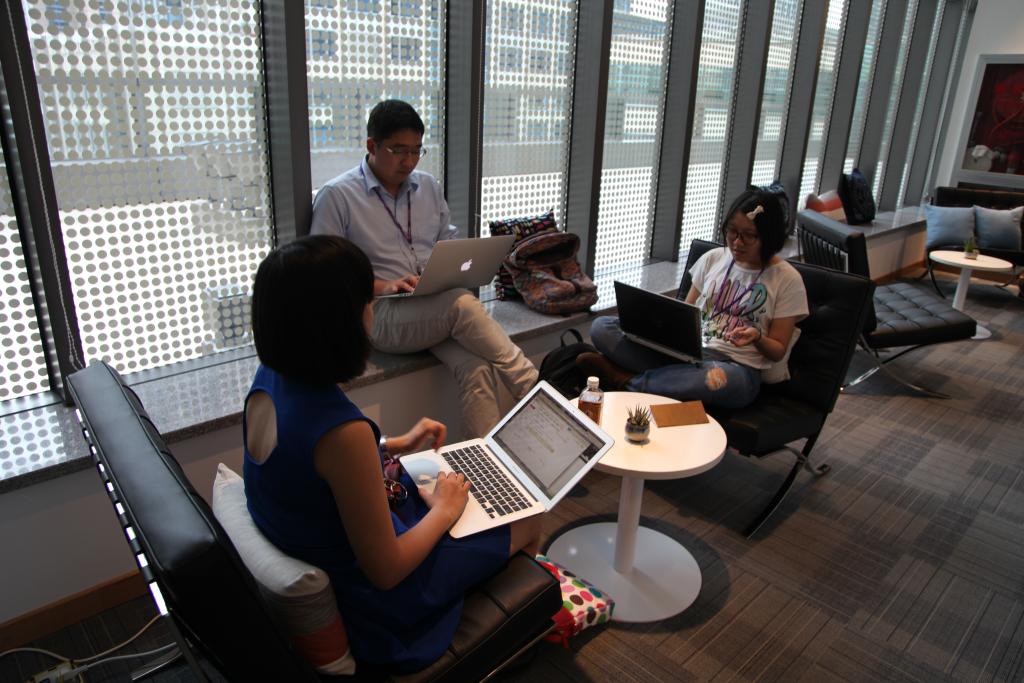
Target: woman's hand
[(425, 433), (450, 495), (743, 336)]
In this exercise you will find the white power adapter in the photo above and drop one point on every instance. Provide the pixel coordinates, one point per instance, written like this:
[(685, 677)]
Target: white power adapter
[(64, 672)]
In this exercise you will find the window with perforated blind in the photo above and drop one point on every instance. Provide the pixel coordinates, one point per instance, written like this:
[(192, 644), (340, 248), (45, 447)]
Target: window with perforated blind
[(715, 73), (778, 72), (894, 98), (527, 96), (366, 51), (867, 69), (23, 366), (636, 86), (154, 116), (827, 67)]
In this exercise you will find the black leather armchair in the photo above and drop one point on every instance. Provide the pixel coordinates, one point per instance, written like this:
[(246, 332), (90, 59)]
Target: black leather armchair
[(796, 409), (211, 599), (904, 315)]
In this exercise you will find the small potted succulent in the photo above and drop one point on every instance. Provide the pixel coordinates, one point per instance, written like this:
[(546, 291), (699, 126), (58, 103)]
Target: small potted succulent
[(638, 423), (970, 247)]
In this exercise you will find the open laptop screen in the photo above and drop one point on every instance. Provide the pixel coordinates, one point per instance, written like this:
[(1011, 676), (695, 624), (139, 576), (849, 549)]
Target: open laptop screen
[(548, 442)]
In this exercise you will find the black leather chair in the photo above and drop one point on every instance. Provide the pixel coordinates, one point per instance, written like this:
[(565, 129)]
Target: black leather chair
[(211, 599), (797, 408), (904, 316)]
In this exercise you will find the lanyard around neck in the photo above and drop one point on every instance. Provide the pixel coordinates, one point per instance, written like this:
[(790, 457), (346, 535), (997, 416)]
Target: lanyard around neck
[(407, 231), (718, 309)]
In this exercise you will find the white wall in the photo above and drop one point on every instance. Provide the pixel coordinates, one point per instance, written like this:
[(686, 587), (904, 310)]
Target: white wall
[(998, 29), (61, 537)]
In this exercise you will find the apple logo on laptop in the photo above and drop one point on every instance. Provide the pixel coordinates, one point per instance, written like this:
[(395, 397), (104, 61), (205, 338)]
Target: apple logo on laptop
[(466, 266)]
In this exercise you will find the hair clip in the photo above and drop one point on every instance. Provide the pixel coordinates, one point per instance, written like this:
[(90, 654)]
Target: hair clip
[(751, 215)]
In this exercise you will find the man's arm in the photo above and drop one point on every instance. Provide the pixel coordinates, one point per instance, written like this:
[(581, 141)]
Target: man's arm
[(330, 213), (446, 230)]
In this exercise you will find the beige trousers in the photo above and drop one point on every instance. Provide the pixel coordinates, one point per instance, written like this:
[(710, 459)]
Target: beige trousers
[(454, 326)]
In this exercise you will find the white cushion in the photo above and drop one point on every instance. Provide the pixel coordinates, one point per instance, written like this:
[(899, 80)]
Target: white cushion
[(778, 371), (299, 594)]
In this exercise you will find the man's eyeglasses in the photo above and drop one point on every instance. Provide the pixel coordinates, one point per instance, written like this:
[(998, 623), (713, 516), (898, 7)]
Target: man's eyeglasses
[(406, 152), (731, 235)]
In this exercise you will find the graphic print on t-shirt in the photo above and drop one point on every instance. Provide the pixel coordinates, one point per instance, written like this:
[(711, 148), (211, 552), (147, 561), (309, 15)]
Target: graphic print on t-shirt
[(731, 304)]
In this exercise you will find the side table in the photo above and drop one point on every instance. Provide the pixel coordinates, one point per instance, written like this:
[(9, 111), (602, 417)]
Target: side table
[(957, 259), (649, 575)]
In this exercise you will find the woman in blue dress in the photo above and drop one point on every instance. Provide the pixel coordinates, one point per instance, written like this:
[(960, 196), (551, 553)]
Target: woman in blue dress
[(322, 488)]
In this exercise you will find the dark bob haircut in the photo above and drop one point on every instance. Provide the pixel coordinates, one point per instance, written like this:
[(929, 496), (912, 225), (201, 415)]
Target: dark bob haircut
[(389, 117), (771, 223), (307, 309)]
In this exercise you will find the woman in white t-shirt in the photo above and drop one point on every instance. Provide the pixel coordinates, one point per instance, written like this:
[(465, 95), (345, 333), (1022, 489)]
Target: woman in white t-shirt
[(750, 301)]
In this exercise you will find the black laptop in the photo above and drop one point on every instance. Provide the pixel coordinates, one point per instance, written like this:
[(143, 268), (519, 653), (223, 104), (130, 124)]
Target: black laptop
[(659, 322)]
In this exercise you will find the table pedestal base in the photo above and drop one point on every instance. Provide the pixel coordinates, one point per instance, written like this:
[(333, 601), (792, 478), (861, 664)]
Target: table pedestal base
[(664, 579)]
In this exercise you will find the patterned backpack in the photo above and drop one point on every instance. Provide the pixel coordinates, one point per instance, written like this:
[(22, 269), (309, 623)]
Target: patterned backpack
[(521, 228), (547, 275)]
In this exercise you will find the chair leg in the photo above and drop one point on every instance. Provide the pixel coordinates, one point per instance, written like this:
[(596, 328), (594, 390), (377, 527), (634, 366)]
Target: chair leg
[(882, 365), (935, 284), (802, 462)]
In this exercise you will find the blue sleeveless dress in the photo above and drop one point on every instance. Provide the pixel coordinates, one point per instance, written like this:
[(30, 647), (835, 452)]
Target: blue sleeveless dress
[(405, 628)]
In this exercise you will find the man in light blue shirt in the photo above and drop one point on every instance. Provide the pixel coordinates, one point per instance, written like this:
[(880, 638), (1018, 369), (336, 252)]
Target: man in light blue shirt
[(396, 215)]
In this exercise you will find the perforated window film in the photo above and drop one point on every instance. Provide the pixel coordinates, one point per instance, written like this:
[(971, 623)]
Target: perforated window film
[(822, 99), (867, 69), (778, 73), (715, 73), (377, 50), (23, 366), (894, 98), (636, 91), (154, 115), (526, 107)]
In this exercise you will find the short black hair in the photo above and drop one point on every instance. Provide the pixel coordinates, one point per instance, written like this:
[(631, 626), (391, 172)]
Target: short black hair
[(770, 223), (307, 309), (389, 117)]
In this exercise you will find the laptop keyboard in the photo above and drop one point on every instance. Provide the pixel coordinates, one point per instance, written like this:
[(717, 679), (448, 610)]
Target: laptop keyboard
[(490, 486)]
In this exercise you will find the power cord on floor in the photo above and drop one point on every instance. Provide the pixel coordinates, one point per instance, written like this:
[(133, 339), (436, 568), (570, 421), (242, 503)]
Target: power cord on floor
[(68, 668)]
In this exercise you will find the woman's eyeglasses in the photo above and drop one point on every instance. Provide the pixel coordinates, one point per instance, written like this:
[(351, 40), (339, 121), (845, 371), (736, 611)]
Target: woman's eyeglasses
[(732, 235), (396, 493)]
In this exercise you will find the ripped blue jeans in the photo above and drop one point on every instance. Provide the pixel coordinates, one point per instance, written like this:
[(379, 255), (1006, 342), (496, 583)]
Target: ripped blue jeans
[(717, 381)]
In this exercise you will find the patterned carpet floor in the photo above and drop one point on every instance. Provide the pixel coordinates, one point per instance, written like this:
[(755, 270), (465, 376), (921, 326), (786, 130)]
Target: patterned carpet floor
[(904, 563)]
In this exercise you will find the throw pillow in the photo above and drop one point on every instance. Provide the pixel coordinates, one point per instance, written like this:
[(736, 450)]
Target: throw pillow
[(827, 204), (858, 203), (299, 594), (948, 226), (778, 371), (998, 229)]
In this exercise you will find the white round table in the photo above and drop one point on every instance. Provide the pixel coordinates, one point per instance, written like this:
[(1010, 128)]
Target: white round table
[(966, 265), (649, 575)]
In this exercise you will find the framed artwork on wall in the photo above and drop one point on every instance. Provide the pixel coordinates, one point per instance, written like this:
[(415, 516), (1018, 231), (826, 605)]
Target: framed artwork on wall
[(992, 142)]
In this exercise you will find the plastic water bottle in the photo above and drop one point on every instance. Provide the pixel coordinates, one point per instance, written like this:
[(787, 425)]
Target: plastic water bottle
[(592, 400)]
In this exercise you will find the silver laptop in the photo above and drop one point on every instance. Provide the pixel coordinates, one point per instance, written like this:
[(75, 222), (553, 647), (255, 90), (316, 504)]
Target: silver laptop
[(461, 263), (660, 322), (525, 465)]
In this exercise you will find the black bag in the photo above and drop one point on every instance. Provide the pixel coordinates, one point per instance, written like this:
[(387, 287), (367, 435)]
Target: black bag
[(855, 193), (559, 367)]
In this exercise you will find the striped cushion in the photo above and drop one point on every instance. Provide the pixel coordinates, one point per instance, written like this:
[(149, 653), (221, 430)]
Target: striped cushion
[(299, 594)]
